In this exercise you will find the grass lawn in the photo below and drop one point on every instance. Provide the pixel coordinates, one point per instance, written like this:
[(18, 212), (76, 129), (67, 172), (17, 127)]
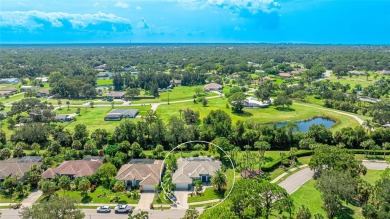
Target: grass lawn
[(372, 176), (94, 117), (12, 98), (309, 196), (176, 94), (13, 199), (159, 199), (354, 80), (208, 205), (101, 82), (266, 115), (209, 194), (93, 197)]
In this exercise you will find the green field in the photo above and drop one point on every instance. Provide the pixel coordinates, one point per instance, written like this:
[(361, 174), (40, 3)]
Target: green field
[(94, 117), (209, 194), (265, 115), (354, 80), (176, 94), (309, 196), (101, 82), (372, 176), (92, 197)]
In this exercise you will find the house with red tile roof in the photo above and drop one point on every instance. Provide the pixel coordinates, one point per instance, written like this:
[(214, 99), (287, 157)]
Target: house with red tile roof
[(73, 169), (144, 173)]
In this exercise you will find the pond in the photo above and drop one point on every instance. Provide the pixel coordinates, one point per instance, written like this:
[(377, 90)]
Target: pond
[(304, 125)]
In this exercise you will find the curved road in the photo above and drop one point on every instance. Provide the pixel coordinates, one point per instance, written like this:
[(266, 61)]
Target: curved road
[(296, 180)]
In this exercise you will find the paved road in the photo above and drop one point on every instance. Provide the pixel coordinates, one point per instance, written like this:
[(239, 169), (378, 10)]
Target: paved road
[(92, 214), (380, 165), (296, 180)]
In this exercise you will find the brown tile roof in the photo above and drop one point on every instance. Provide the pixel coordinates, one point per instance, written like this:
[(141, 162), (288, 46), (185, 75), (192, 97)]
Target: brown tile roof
[(11, 168), (76, 168), (147, 173), (48, 174), (284, 75), (212, 86)]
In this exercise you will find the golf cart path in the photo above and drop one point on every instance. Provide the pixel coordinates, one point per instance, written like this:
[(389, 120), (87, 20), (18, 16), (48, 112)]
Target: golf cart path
[(358, 119), (297, 179)]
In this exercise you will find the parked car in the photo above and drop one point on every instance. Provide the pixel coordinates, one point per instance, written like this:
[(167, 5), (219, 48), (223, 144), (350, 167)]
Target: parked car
[(123, 208), (103, 209)]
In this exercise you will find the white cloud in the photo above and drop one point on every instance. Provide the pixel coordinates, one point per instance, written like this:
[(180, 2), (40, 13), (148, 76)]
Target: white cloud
[(120, 4), (253, 6), (143, 24), (32, 20), (139, 8)]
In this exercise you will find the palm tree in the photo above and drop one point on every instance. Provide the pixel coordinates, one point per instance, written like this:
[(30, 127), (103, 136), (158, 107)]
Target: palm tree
[(112, 104), (180, 111), (292, 152), (219, 180), (262, 146), (68, 103), (59, 102), (368, 124), (385, 146)]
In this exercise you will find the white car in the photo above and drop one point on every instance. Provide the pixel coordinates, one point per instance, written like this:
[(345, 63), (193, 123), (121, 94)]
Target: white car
[(103, 209), (123, 208)]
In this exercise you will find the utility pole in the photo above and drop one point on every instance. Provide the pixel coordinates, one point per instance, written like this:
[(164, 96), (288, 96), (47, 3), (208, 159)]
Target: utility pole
[(168, 96)]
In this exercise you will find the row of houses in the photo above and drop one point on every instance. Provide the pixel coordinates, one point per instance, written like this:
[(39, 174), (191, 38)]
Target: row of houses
[(142, 173)]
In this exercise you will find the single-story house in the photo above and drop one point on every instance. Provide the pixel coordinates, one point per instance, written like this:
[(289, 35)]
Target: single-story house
[(295, 72), (357, 72), (234, 76), (383, 72), (251, 102), (13, 90), (104, 75), (175, 82), (18, 167), (386, 125), (285, 75), (64, 117), (116, 94), (9, 81), (103, 66), (42, 93), (194, 168), (42, 79), (141, 172), (73, 169), (118, 114), (26, 88), (212, 87), (5, 92)]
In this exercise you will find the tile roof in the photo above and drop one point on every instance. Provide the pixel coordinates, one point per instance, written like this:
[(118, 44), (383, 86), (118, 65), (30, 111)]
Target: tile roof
[(147, 173), (76, 168), (194, 167), (11, 168)]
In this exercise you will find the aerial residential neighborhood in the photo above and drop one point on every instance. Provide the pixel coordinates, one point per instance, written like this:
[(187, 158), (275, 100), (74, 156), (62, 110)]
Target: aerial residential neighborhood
[(172, 109)]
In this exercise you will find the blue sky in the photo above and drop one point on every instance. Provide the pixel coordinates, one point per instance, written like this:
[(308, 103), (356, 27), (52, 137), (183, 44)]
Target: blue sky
[(196, 21)]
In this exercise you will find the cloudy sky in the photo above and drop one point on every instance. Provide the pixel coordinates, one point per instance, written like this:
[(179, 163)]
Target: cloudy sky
[(197, 21)]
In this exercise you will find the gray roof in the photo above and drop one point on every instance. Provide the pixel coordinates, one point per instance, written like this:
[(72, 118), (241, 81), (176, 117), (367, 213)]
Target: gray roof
[(61, 116), (30, 159), (194, 167), (212, 86), (116, 94), (123, 112)]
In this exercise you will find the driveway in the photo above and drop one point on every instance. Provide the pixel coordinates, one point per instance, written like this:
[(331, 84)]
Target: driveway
[(145, 200), (296, 180), (181, 199), (32, 198)]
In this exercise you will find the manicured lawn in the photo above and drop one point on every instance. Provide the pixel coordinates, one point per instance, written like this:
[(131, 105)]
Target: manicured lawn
[(93, 197), (209, 194), (176, 94), (309, 196), (161, 199), (12, 98), (104, 82), (354, 80), (372, 176), (13, 199), (94, 117), (208, 205), (267, 115), (304, 160)]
